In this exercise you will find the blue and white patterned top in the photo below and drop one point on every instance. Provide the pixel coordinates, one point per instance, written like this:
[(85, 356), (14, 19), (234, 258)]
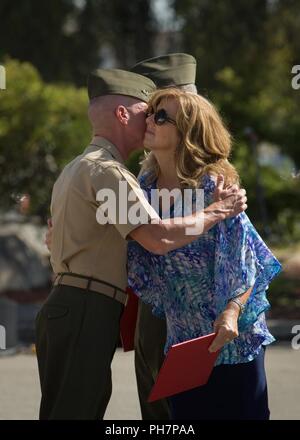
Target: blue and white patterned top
[(191, 286)]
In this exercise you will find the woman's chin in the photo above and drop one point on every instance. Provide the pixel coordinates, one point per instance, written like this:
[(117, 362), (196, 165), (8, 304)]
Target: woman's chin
[(147, 145)]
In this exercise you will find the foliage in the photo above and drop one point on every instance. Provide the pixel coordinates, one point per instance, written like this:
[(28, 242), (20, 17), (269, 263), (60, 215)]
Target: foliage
[(65, 39), (42, 126)]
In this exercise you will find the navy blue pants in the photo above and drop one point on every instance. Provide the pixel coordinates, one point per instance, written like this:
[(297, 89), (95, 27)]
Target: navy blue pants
[(233, 392)]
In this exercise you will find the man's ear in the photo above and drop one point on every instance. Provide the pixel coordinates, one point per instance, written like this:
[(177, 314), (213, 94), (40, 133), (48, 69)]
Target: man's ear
[(122, 114)]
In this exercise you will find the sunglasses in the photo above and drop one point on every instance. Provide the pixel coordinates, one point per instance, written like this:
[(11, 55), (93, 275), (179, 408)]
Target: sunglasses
[(161, 117)]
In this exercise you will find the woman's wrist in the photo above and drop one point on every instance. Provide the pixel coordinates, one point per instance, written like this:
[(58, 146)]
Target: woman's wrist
[(233, 307)]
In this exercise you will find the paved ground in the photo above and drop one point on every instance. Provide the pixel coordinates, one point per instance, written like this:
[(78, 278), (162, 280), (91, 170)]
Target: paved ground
[(19, 388)]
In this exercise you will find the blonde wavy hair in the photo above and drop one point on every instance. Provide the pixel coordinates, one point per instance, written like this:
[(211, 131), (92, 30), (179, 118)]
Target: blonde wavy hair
[(205, 144)]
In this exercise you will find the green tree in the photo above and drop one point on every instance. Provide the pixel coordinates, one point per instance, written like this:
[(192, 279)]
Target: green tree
[(42, 126), (129, 28), (35, 31), (222, 34), (63, 39)]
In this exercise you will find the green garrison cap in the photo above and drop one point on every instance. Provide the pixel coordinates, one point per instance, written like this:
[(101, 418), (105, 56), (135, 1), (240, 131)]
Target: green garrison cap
[(119, 82), (175, 69)]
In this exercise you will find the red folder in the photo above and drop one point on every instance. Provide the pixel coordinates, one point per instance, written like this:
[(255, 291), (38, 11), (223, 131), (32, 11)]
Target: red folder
[(187, 365), (128, 321)]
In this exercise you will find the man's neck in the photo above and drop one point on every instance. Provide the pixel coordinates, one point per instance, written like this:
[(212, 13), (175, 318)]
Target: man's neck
[(114, 140)]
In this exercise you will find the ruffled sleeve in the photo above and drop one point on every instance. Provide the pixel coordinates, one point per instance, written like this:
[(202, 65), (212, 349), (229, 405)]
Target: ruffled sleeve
[(145, 277), (242, 260)]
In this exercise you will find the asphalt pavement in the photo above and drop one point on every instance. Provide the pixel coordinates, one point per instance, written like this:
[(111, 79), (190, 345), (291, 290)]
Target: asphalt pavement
[(20, 393)]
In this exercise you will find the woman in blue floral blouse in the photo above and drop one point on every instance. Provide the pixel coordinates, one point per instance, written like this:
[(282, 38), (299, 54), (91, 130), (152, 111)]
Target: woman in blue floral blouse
[(218, 282)]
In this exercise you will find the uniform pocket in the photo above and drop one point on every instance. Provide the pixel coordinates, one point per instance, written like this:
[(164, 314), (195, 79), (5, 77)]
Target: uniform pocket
[(54, 311)]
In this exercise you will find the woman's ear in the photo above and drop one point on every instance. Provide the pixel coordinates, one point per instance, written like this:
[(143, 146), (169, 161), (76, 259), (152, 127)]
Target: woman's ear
[(122, 114)]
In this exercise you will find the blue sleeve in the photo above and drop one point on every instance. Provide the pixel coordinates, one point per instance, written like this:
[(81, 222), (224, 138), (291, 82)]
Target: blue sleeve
[(242, 260), (145, 277)]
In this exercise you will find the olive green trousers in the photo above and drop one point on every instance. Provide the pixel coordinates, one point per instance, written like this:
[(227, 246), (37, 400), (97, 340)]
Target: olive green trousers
[(77, 332), (150, 338)]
